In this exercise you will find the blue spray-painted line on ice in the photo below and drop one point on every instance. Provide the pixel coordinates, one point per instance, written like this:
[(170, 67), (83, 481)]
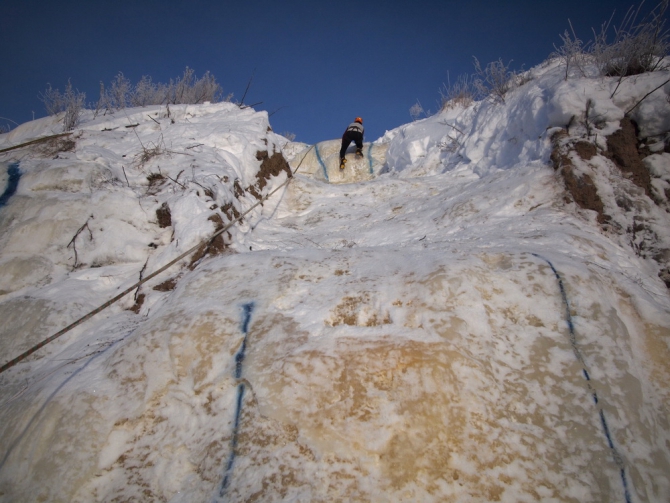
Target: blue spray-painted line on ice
[(575, 348), (323, 166), (241, 353), (370, 158), (247, 310), (233, 443), (14, 175)]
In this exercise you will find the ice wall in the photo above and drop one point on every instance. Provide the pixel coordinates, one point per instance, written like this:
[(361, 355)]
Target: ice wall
[(450, 330), (322, 161)]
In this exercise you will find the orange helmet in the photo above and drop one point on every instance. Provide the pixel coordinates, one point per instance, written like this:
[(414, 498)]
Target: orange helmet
[(359, 120)]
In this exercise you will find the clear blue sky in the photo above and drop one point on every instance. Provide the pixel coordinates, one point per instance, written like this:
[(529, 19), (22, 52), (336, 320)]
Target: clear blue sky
[(317, 64)]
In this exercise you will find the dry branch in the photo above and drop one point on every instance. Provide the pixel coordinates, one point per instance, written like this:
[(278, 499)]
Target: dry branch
[(32, 142)]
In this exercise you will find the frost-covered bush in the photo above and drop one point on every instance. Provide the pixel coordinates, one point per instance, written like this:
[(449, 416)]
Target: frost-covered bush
[(630, 48), (494, 80), (120, 91), (637, 47), (572, 53), (147, 93), (71, 102), (187, 89), (416, 111), (460, 93), (190, 90)]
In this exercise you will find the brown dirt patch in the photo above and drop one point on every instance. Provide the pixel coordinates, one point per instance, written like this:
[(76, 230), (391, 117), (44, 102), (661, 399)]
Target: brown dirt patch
[(138, 304), (270, 166), (585, 150), (239, 191), (155, 181), (166, 286), (580, 187), (584, 192), (212, 247), (164, 216), (622, 149), (230, 211)]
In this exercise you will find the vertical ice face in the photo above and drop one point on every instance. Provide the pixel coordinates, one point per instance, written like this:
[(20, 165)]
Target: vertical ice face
[(322, 161), (445, 325)]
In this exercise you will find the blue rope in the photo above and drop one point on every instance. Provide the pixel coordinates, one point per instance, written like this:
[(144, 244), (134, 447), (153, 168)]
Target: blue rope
[(247, 309), (318, 156), (575, 348), (231, 459)]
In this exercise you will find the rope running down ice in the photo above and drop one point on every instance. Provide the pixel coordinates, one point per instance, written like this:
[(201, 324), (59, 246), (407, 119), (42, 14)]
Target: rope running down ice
[(616, 455), (55, 336)]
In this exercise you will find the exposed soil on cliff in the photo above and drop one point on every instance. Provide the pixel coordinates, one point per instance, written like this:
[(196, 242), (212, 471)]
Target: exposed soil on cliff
[(623, 148), (636, 210)]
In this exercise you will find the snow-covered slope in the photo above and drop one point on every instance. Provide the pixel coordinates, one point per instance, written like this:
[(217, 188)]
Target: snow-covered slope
[(453, 326)]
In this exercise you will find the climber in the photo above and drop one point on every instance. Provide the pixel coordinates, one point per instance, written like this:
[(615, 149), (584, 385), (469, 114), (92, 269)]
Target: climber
[(353, 133)]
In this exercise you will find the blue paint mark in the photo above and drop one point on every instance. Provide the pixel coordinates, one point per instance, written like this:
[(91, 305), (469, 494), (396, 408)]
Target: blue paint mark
[(231, 459), (12, 183), (370, 157), (239, 358), (323, 166), (241, 353), (603, 420), (247, 310)]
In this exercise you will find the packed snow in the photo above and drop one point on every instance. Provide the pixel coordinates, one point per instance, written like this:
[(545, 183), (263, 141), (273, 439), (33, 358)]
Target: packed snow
[(437, 322)]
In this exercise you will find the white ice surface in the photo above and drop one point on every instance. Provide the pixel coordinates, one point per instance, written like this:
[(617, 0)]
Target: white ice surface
[(407, 339)]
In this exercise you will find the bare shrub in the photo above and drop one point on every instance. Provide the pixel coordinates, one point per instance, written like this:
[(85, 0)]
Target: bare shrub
[(71, 102), (149, 152), (103, 101), (460, 93), (186, 90), (53, 100), (494, 80), (120, 91), (416, 111), (571, 52), (288, 135), (6, 127), (74, 101), (636, 47), (190, 90), (147, 93)]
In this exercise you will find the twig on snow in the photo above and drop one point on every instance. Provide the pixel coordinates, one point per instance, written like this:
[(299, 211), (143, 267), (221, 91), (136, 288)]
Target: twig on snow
[(73, 241), (645, 96)]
